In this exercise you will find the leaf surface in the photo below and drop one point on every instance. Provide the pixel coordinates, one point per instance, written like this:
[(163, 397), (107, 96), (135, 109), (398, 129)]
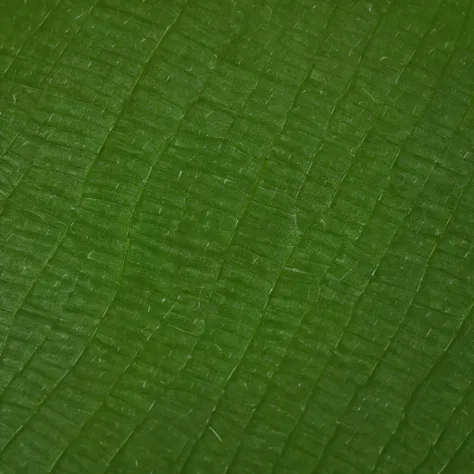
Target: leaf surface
[(236, 236)]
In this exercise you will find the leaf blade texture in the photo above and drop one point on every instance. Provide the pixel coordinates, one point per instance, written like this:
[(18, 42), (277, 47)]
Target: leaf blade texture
[(236, 236)]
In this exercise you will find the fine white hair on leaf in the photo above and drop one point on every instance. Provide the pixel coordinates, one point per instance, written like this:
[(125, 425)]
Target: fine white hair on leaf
[(216, 434)]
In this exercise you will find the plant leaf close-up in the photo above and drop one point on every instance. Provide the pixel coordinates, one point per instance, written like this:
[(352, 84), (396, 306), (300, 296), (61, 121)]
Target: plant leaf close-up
[(236, 236)]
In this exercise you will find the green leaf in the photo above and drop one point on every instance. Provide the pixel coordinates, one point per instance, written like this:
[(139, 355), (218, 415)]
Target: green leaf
[(236, 236)]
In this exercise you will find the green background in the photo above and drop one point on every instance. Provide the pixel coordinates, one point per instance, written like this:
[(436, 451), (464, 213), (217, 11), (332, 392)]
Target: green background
[(236, 236)]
